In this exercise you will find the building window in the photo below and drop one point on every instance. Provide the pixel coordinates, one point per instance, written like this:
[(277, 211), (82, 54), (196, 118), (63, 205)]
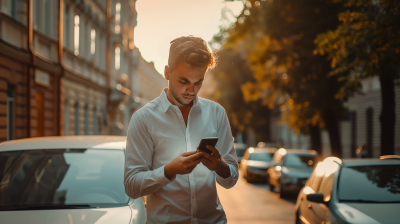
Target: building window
[(47, 17), (86, 120), (95, 125), (39, 114), (39, 14), (76, 35), (76, 119), (370, 124), (10, 112), (43, 14), (353, 134), (12, 8), (66, 28), (117, 58), (92, 41), (85, 40), (117, 17), (66, 118)]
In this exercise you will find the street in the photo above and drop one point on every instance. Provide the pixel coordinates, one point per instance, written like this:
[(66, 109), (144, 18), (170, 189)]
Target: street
[(253, 203)]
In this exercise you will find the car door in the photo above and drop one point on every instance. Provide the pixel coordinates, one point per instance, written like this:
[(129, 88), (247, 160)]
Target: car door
[(306, 215), (321, 211), (243, 163), (273, 171)]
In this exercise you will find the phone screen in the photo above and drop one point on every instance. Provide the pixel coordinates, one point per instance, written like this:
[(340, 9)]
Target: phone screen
[(207, 141)]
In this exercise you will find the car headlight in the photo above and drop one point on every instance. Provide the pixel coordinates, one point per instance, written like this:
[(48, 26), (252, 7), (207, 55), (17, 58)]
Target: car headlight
[(288, 179)]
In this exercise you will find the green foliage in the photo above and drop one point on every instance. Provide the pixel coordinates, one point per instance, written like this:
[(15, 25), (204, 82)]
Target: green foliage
[(227, 77), (364, 44), (276, 38)]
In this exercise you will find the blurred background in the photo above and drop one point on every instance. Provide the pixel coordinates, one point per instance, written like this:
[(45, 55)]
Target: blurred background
[(319, 75), (293, 74)]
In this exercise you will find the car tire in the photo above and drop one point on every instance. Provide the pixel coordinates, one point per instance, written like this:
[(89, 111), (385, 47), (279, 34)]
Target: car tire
[(282, 192), (298, 221), (271, 187)]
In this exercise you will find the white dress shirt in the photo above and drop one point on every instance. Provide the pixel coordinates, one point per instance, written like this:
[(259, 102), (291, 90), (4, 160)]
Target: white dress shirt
[(157, 134)]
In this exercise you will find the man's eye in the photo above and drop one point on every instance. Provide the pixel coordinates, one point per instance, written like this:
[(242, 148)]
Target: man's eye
[(198, 83), (183, 82)]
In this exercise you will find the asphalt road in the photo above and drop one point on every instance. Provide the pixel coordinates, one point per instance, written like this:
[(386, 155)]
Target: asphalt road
[(253, 203)]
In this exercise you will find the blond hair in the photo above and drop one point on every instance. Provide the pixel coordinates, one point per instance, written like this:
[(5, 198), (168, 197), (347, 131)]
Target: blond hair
[(192, 51)]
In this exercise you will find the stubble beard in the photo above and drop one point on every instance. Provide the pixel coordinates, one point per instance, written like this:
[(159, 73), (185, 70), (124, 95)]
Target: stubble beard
[(176, 96)]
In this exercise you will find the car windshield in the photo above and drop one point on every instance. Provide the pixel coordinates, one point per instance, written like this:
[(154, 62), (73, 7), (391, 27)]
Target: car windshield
[(261, 156), (62, 177), (299, 160), (240, 149), (370, 184)]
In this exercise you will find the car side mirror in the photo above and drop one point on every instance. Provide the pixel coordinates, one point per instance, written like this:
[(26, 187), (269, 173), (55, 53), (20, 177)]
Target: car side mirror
[(316, 197)]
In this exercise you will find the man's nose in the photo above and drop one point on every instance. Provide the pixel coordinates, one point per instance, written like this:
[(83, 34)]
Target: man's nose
[(190, 89)]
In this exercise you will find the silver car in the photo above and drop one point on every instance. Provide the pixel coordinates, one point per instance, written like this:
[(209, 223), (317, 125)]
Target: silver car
[(290, 169), (77, 179), (351, 191), (255, 163)]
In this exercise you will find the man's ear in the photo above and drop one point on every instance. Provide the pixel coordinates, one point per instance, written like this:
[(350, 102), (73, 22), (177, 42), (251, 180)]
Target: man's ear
[(166, 72)]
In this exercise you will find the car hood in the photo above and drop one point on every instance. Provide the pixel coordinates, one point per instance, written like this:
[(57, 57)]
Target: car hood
[(68, 216), (297, 172), (370, 212), (258, 164)]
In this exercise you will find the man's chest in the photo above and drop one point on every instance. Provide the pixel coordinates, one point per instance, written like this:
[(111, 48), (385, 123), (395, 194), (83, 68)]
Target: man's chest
[(172, 137)]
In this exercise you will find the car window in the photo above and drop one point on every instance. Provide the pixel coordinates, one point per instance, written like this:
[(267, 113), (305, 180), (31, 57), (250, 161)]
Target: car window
[(299, 160), (65, 176), (261, 156), (369, 184), (327, 180)]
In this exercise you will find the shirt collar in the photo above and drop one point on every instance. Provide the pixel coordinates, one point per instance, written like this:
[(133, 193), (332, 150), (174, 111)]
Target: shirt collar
[(166, 104)]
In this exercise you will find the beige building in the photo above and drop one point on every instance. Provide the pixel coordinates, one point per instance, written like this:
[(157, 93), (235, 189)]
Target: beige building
[(133, 81), (84, 85), (70, 67)]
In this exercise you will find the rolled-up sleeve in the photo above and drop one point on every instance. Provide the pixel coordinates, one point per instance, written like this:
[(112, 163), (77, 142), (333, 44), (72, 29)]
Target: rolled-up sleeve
[(227, 150), (139, 179)]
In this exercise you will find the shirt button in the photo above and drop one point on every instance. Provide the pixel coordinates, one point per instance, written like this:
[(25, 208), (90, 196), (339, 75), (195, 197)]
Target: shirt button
[(187, 139), (192, 197)]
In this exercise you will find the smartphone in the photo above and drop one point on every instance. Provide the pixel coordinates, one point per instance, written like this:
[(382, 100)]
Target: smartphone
[(207, 141)]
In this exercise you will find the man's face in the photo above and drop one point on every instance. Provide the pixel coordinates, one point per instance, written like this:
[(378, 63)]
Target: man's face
[(184, 82)]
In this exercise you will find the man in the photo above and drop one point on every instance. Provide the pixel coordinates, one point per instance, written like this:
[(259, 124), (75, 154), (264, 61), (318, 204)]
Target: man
[(162, 160)]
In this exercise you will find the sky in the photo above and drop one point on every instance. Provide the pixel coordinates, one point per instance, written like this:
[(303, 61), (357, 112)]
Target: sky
[(161, 21)]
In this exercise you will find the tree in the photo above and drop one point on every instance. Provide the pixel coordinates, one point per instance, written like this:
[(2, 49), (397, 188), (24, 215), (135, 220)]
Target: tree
[(230, 73), (278, 40), (367, 44)]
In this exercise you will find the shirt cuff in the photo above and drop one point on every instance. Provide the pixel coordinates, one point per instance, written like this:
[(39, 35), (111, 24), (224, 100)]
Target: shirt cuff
[(160, 176), (227, 181)]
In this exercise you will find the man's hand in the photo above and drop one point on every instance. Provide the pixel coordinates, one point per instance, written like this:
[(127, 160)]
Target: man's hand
[(182, 164), (215, 162)]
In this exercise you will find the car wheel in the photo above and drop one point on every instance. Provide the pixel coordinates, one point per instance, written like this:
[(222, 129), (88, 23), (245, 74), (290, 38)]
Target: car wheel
[(271, 187), (282, 192), (298, 221)]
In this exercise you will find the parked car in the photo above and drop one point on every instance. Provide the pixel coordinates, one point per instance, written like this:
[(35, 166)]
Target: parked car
[(351, 191), (76, 179), (290, 169), (240, 150), (255, 163)]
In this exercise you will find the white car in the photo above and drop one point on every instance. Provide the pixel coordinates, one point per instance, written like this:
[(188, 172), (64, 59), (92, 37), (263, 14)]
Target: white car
[(71, 179), (351, 191)]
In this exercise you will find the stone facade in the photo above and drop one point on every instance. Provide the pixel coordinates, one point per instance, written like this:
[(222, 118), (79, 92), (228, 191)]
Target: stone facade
[(58, 72)]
